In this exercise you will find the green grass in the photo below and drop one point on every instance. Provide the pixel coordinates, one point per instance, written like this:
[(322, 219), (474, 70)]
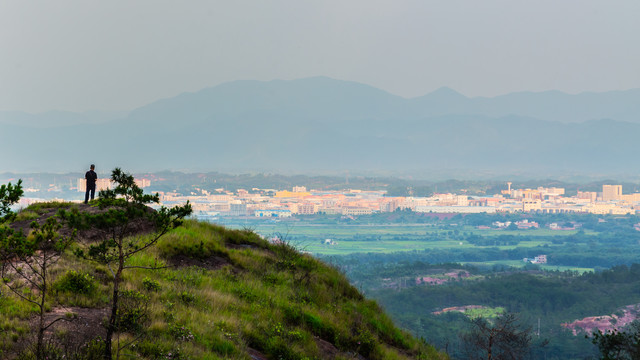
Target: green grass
[(26, 215), (43, 207), (485, 312), (268, 297)]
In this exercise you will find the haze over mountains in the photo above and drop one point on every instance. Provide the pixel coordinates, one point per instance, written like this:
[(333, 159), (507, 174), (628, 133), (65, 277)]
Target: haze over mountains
[(317, 125)]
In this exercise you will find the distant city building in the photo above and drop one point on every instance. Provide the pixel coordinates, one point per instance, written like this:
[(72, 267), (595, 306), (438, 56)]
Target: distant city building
[(531, 205), (273, 213), (455, 209), (611, 192), (606, 208), (106, 184), (592, 196), (238, 209), (355, 211), (540, 259), (291, 194), (101, 184), (526, 224), (389, 206), (306, 209), (631, 198), (143, 183)]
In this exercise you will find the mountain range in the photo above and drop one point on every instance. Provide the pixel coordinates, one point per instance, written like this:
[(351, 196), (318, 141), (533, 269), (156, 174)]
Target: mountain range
[(324, 125)]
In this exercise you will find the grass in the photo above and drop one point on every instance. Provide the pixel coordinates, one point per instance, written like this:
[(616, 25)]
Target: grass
[(268, 297), (485, 312), (43, 207)]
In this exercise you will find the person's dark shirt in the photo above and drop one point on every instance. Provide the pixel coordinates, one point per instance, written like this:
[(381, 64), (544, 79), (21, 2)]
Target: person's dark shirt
[(91, 177)]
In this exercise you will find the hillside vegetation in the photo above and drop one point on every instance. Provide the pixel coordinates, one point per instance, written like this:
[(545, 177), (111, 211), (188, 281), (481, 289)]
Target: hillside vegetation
[(221, 294)]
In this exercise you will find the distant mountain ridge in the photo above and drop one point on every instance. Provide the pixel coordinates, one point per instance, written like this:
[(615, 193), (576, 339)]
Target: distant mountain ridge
[(321, 124)]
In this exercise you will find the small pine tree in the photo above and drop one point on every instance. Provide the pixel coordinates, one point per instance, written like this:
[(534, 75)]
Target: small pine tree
[(503, 338), (26, 265), (619, 344), (121, 209), (25, 260), (9, 195)]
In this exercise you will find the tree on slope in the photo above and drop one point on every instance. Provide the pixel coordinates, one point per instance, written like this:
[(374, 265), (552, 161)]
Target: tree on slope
[(9, 195), (504, 339), (620, 345), (25, 260), (121, 209), (25, 270)]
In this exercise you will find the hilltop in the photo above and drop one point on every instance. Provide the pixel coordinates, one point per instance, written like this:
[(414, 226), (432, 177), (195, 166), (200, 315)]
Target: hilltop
[(222, 294)]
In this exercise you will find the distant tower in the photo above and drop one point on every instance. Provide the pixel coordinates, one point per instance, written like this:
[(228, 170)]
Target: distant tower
[(611, 192), (509, 185)]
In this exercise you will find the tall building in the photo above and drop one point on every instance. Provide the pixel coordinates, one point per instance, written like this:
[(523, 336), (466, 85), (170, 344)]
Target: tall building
[(143, 183), (238, 209), (611, 192), (101, 184)]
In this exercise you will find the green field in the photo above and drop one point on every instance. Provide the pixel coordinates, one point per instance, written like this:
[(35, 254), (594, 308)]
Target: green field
[(353, 230), (521, 264), (386, 238)]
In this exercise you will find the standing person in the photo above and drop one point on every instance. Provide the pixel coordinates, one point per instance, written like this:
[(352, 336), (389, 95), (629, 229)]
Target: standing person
[(91, 178)]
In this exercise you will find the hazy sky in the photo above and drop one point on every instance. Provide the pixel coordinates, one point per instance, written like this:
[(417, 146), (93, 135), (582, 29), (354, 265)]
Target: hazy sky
[(120, 54)]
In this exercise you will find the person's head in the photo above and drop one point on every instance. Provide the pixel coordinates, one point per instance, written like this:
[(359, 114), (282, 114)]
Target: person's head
[(93, 167)]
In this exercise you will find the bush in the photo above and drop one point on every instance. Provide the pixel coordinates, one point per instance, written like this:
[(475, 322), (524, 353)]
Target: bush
[(187, 298), (132, 312), (75, 282), (151, 285), (181, 332)]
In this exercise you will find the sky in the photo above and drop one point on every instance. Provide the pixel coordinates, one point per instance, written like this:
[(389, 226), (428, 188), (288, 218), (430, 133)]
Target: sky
[(117, 55)]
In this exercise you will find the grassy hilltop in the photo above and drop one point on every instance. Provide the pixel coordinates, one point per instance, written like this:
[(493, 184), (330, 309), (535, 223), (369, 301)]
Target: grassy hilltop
[(223, 294)]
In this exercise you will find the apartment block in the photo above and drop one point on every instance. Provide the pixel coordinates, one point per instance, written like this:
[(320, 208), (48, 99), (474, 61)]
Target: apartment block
[(611, 192)]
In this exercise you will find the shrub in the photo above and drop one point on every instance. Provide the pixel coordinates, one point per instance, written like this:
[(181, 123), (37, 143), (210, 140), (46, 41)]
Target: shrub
[(75, 282), (150, 349), (181, 332), (187, 298), (132, 313), (151, 285), (365, 342)]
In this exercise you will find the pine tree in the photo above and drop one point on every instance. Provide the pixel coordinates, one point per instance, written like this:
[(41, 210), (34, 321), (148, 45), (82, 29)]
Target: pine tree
[(121, 209)]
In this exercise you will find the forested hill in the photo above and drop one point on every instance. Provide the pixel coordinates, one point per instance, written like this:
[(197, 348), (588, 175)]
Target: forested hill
[(558, 308), (219, 294)]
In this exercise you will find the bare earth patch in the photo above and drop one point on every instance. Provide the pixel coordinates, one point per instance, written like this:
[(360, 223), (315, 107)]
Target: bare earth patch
[(84, 325), (209, 263), (605, 323), (256, 355), (461, 309), (327, 350)]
